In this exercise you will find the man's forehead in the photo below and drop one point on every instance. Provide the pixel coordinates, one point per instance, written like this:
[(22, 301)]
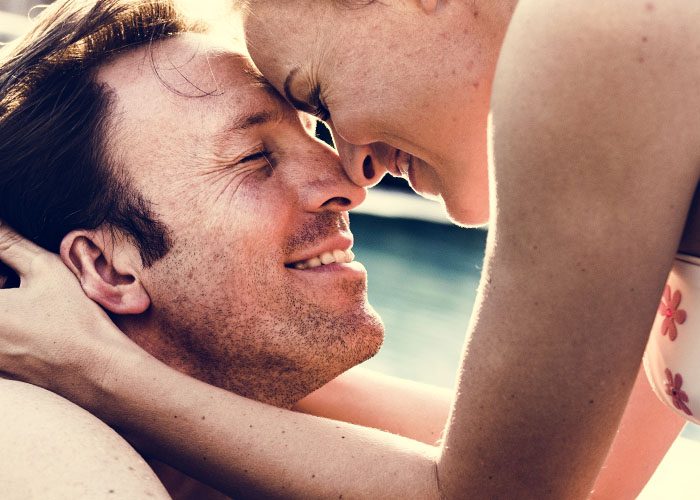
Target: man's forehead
[(189, 60), (192, 97), (187, 80)]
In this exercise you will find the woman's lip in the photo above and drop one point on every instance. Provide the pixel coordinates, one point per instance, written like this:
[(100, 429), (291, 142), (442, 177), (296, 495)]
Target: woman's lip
[(419, 181), (412, 177), (401, 157), (393, 167)]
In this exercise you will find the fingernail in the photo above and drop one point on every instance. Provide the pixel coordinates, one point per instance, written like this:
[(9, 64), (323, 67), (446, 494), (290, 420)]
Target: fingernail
[(368, 168)]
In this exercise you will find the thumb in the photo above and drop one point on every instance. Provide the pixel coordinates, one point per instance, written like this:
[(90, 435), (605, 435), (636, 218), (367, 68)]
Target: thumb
[(17, 252)]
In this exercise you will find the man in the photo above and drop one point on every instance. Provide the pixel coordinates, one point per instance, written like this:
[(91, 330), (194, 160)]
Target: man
[(190, 200), (205, 237)]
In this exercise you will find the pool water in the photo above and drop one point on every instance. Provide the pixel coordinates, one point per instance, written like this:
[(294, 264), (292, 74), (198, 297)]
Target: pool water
[(423, 279)]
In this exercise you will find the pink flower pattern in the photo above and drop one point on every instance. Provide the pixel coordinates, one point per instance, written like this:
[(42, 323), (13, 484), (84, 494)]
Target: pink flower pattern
[(673, 389), (672, 315)]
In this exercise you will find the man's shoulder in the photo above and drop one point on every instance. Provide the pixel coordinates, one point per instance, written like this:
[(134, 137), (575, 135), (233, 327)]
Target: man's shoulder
[(54, 449)]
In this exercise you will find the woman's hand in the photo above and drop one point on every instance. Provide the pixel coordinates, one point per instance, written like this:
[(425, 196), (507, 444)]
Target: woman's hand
[(51, 333)]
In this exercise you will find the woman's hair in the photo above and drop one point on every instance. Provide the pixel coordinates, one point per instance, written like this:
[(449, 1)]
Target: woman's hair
[(55, 172)]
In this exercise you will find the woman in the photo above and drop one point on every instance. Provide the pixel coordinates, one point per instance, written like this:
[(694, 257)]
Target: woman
[(587, 102)]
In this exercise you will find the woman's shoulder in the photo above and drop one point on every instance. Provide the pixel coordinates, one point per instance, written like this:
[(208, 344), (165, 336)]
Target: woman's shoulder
[(598, 34), (53, 448), (602, 15), (627, 69)]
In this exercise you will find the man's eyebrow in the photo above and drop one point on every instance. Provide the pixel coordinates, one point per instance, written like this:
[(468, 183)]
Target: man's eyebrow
[(260, 117), (287, 86), (254, 119), (231, 132), (274, 113)]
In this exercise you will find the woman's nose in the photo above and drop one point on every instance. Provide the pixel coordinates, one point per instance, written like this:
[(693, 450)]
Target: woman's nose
[(362, 165)]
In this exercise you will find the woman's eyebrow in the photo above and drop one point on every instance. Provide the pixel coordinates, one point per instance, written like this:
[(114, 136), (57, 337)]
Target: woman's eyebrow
[(287, 86), (258, 80)]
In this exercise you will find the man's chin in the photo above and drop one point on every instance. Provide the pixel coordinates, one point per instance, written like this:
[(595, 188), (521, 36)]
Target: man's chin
[(368, 336), (354, 338)]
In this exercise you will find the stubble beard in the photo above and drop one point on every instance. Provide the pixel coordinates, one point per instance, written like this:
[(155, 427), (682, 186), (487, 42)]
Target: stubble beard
[(277, 352)]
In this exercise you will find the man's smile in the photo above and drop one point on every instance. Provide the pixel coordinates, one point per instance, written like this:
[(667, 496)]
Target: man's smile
[(326, 258), (333, 254)]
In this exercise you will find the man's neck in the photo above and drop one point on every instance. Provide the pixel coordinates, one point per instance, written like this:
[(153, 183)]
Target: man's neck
[(277, 381), (152, 339)]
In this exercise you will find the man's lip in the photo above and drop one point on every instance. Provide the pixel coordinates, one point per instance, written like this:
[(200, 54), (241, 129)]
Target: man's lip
[(354, 267), (338, 242)]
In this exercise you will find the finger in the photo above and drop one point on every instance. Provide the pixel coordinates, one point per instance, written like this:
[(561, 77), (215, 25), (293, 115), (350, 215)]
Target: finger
[(16, 251)]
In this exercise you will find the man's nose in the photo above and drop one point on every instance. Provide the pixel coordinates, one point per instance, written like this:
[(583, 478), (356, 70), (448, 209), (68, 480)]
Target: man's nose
[(329, 188), (362, 164)]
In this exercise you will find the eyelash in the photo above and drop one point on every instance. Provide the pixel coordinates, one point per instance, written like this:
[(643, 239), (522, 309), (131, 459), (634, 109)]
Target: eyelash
[(255, 156), (320, 110), (261, 154)]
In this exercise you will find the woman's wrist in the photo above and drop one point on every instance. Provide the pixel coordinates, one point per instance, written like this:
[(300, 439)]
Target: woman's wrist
[(106, 372)]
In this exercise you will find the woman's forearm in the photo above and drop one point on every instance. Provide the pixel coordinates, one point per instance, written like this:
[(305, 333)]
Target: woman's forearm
[(372, 399), (577, 252), (245, 447)]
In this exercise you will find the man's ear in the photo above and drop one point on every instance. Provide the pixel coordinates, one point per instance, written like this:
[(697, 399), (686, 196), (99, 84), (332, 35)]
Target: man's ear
[(108, 269)]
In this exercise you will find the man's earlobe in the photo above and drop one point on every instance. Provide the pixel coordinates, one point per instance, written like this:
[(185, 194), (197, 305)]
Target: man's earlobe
[(113, 283)]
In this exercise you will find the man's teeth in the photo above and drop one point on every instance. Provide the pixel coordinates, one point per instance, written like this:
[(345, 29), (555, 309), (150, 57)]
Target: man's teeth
[(341, 256)]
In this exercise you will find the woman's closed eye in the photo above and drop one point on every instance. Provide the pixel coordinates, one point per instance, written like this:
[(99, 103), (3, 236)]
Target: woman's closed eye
[(318, 108), (312, 103)]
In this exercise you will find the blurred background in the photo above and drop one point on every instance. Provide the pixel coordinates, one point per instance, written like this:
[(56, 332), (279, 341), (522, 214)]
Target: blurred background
[(423, 275)]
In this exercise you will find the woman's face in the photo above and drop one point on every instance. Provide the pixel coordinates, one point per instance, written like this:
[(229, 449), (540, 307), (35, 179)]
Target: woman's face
[(403, 90)]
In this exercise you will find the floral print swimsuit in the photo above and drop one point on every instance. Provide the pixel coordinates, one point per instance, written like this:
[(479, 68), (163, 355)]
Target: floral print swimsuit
[(672, 358)]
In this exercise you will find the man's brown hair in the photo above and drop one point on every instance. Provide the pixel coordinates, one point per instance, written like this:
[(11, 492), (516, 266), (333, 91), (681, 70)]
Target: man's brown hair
[(55, 171)]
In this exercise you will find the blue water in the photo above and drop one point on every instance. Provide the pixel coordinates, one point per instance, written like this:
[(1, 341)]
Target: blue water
[(422, 280)]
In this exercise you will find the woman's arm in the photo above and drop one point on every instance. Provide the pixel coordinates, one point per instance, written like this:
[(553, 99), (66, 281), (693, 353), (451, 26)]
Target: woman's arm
[(595, 153), (247, 448), (419, 411), (371, 399), (647, 430)]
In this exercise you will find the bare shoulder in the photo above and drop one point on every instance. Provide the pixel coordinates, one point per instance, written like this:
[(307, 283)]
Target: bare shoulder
[(644, 52), (54, 449), (600, 100)]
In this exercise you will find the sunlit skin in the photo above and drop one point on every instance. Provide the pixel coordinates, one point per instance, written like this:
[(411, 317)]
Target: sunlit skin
[(395, 46), (393, 90), (593, 179)]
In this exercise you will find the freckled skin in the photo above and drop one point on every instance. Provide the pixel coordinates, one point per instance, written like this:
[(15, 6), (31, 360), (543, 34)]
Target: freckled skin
[(223, 306), (443, 130)]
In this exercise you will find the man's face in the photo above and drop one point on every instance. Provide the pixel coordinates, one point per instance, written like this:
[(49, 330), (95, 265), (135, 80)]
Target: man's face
[(247, 193)]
